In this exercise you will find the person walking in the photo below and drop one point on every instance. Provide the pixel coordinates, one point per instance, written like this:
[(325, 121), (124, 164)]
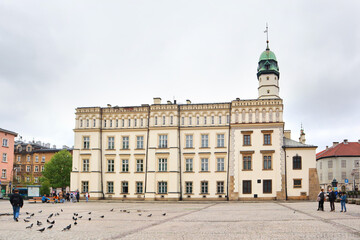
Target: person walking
[(87, 196), (332, 198), (77, 196), (321, 198), (17, 202), (343, 202)]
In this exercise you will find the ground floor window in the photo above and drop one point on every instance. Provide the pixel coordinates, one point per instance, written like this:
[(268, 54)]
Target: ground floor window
[(85, 186), (124, 187), (204, 187), (188, 187), (246, 186), (139, 187), (110, 187), (220, 187), (267, 186), (297, 183), (162, 187)]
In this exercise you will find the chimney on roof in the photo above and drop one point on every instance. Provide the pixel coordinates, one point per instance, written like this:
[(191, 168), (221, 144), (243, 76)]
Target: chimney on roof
[(287, 134), (327, 147), (169, 102), (335, 143), (109, 105), (188, 101), (345, 141), (237, 99), (157, 100)]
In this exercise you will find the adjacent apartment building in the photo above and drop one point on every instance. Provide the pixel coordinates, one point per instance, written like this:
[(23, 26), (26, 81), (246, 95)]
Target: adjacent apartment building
[(235, 150), (340, 162), (7, 159)]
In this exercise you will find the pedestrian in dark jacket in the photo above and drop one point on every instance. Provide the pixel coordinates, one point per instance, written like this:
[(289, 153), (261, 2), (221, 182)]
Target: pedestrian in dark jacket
[(17, 202), (332, 198), (77, 196), (321, 198)]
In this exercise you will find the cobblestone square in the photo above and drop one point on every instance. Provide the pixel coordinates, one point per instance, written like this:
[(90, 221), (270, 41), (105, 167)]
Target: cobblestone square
[(183, 220)]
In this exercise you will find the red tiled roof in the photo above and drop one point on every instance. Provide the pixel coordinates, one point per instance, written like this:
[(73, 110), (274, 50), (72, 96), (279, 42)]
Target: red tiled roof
[(342, 149)]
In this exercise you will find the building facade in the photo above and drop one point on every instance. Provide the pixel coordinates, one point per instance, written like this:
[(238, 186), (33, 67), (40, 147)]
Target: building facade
[(7, 159), (213, 151), (29, 162), (341, 162)]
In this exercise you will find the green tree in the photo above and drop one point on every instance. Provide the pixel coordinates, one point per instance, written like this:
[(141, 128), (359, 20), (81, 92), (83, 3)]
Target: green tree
[(45, 186), (58, 170)]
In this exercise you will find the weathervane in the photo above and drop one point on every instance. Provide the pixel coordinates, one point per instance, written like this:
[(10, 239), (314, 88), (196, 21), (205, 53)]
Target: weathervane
[(267, 37)]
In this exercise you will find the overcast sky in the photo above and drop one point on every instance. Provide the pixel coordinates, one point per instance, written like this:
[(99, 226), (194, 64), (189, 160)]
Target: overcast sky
[(59, 55)]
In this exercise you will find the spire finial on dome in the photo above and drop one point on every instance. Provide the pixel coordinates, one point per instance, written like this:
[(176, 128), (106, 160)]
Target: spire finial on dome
[(267, 37)]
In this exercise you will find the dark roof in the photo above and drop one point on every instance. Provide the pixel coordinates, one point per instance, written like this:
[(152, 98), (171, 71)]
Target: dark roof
[(8, 132), (344, 149), (289, 143)]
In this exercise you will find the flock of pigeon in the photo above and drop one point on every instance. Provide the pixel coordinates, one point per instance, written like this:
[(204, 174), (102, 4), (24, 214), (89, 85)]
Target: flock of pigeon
[(75, 218)]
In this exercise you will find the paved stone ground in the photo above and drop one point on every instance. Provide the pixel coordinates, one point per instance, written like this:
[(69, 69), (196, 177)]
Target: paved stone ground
[(204, 220)]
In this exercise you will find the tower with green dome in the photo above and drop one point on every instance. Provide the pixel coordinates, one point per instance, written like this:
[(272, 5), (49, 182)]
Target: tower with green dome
[(268, 75)]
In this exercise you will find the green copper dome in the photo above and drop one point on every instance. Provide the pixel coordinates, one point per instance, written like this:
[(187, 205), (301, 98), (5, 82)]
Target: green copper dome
[(267, 63)]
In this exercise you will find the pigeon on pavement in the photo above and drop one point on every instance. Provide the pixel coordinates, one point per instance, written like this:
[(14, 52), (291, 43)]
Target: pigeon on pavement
[(41, 230), (49, 227), (30, 226)]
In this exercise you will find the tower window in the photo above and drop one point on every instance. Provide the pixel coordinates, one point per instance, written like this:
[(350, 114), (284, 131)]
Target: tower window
[(267, 78)]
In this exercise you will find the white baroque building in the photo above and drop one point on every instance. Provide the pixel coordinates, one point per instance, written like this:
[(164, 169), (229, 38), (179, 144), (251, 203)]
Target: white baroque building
[(234, 150)]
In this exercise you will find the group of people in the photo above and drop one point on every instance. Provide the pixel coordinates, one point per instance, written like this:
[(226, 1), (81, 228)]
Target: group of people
[(331, 197)]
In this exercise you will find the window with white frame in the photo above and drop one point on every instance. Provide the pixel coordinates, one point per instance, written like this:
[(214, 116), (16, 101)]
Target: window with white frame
[(36, 158), (171, 120), (85, 186), (81, 122), (28, 168), (139, 165), (162, 187), (125, 142), (204, 187), (204, 164), (125, 165), (135, 122), (36, 168), (140, 142), (156, 120), (204, 140), (94, 122), (205, 120), (220, 164), (162, 164), (123, 122), (110, 122), (197, 120), (163, 141), (117, 123), (42, 168), (188, 165), (36, 180), (189, 141), (129, 122), (141, 122), (87, 122), (139, 187), (105, 123), (43, 159), (5, 142), (86, 142), (330, 164), (19, 158), (190, 120), (4, 157), (343, 163), (28, 158), (3, 173), (111, 165), (86, 165), (182, 120), (212, 120), (228, 119), (110, 187), (163, 120), (27, 179), (220, 119), (124, 187), (220, 140), (111, 142), (220, 187), (188, 187)]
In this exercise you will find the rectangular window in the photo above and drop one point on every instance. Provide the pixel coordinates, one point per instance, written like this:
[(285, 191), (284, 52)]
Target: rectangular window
[(129, 122), (330, 176), (188, 187), (204, 187), (3, 173), (267, 139), (163, 120), (247, 140), (4, 157), (5, 142), (111, 165), (110, 123), (36, 180), (42, 168), (297, 162), (28, 158), (204, 140), (220, 164), (343, 175), (228, 119), (111, 143), (189, 165), (219, 119), (220, 187), (212, 120), (246, 186), (139, 165), (297, 183), (139, 142), (247, 162), (19, 158), (124, 187), (205, 120), (155, 120), (189, 141), (162, 187), (267, 162), (204, 164), (182, 120), (85, 186), (343, 163), (330, 164), (110, 187), (36, 158), (27, 179), (197, 120), (87, 122), (135, 122), (163, 141), (86, 141), (267, 186), (81, 123), (28, 168), (105, 123), (43, 159), (139, 187), (94, 122), (86, 165), (125, 165), (117, 122), (162, 164), (171, 120), (220, 140), (125, 142), (36, 168), (123, 122), (141, 122), (320, 165), (190, 120)]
